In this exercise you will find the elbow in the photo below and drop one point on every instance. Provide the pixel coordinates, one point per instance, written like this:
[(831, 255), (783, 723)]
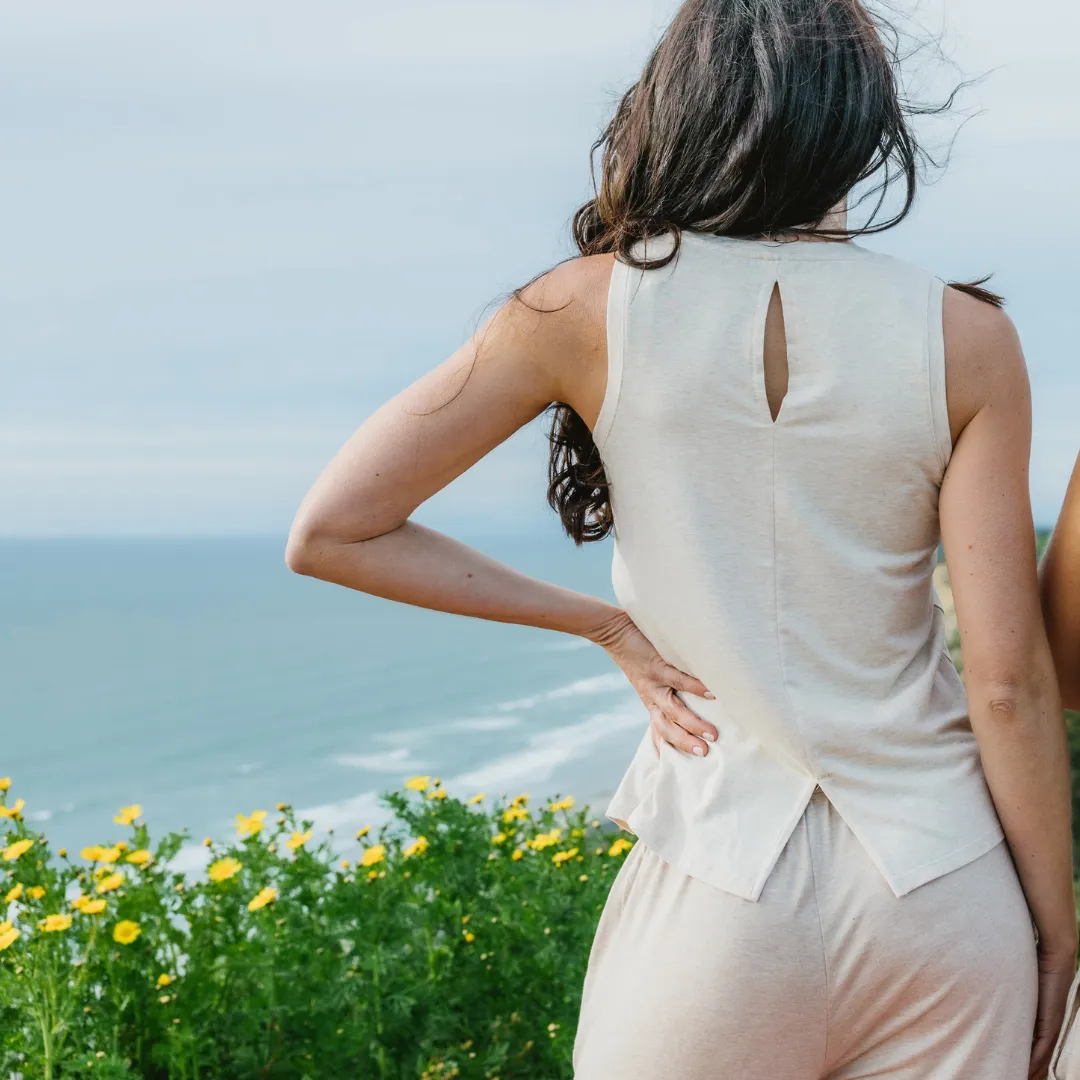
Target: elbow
[(1015, 700), (304, 550), (323, 545)]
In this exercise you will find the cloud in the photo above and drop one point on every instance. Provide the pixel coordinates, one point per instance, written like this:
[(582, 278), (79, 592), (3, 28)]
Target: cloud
[(235, 228)]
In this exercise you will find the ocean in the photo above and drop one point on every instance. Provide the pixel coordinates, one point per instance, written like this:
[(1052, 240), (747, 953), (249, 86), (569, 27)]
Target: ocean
[(201, 679)]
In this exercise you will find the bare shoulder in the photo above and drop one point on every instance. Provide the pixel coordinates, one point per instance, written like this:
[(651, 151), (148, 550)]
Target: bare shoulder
[(558, 324), (576, 282), (569, 300), (984, 361)]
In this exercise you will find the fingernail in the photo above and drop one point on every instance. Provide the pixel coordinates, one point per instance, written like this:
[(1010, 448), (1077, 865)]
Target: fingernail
[(708, 736), (699, 751), (709, 695)]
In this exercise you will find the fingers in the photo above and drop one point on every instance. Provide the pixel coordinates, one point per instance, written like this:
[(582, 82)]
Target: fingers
[(679, 680), (675, 734), (680, 713)]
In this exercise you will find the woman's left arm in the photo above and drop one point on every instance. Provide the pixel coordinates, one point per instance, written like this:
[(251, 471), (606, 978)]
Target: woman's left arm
[(1060, 584), (353, 527)]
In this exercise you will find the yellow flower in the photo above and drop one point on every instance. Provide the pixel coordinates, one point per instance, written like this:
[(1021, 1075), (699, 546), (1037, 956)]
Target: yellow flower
[(12, 811), (13, 851), (79, 901), (418, 847), (224, 869), (126, 931), (102, 871), (8, 935), (164, 980), (113, 881), (619, 846), (477, 798), (563, 856), (140, 857), (372, 875), (207, 842), (5, 783), (98, 854), (438, 793), (282, 806), (418, 783), (264, 897), (128, 814), (499, 838), (298, 840), (564, 804), (544, 840), (584, 877), (92, 907), (51, 924), (62, 853), (470, 937), (36, 892), (363, 832), (515, 813), (14, 894), (250, 826), (518, 854), (374, 854)]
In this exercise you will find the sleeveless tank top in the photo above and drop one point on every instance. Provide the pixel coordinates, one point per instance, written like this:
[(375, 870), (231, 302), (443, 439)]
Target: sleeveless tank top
[(788, 564)]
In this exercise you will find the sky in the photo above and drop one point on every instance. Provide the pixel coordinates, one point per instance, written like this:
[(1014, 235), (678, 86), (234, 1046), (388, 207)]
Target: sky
[(232, 228)]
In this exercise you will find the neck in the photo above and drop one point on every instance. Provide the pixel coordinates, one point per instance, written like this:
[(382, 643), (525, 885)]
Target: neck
[(837, 217)]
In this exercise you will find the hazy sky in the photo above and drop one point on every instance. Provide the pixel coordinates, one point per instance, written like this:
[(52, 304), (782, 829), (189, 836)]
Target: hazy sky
[(232, 228)]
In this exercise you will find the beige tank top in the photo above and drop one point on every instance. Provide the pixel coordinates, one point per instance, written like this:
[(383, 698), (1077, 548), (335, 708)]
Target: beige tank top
[(788, 564)]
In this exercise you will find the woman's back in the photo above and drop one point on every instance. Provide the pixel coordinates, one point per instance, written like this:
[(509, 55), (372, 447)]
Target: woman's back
[(787, 562)]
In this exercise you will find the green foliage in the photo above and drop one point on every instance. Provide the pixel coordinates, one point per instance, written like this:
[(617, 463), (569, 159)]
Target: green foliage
[(1042, 538), (1072, 726), (455, 947)]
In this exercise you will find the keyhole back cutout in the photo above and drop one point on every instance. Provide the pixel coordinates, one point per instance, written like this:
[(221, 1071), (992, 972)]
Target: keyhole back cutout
[(775, 356)]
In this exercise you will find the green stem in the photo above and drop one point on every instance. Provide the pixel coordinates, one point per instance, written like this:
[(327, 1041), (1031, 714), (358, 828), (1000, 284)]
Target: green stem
[(378, 1012), (46, 1041), (429, 937)]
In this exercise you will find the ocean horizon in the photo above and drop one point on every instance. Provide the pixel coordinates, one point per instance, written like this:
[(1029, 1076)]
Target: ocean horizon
[(200, 679)]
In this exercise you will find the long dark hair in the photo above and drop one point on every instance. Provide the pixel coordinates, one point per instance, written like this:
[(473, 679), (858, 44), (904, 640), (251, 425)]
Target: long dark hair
[(752, 118)]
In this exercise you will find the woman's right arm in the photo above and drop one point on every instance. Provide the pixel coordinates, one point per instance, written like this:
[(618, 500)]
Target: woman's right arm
[(1013, 699), (1061, 594)]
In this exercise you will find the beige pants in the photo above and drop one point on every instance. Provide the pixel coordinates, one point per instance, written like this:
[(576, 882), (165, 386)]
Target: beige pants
[(827, 977)]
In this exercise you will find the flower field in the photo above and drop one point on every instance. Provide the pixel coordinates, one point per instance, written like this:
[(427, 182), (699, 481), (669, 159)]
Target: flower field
[(453, 947)]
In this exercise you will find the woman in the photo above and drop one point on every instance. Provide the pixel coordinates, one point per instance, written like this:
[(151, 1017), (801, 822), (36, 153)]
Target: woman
[(778, 425), (1061, 593)]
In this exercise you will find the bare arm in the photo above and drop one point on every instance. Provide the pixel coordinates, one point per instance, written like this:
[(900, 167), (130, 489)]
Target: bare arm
[(1012, 690), (1061, 594), (353, 527)]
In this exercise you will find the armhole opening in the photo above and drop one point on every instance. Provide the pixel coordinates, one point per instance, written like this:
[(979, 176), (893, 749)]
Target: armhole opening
[(616, 345), (935, 359)]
